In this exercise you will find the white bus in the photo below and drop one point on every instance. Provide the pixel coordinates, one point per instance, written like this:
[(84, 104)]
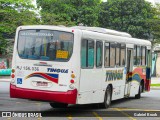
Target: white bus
[(78, 65)]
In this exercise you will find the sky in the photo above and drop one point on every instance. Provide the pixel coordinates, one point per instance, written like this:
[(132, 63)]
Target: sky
[(152, 1), (34, 2)]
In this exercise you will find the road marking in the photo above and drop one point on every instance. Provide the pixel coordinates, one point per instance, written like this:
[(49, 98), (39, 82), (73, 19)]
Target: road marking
[(125, 114), (8, 118), (18, 102), (38, 104), (97, 116), (39, 118), (135, 109), (69, 117), (151, 110)]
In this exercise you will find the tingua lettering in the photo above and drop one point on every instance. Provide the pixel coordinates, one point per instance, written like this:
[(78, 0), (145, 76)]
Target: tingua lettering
[(114, 75), (57, 70)]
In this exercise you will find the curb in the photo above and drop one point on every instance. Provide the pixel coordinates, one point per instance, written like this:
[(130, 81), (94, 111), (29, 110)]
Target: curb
[(5, 80), (155, 88)]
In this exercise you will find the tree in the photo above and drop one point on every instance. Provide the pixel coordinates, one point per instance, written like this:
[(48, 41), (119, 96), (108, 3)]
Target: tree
[(155, 25), (130, 16), (69, 12), (13, 14)]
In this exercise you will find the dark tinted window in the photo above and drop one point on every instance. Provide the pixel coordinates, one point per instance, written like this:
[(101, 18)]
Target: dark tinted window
[(99, 48), (106, 56), (87, 54), (123, 55), (118, 54), (45, 45)]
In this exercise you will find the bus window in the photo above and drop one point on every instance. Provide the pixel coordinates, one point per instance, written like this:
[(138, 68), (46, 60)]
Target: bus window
[(143, 55), (91, 54), (38, 46), (45, 45), (135, 55), (118, 54), (84, 54), (123, 55), (99, 46), (112, 54), (106, 57), (87, 54), (138, 55), (149, 58)]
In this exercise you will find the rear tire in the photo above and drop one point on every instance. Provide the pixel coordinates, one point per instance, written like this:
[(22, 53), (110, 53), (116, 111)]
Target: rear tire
[(58, 105), (138, 96), (107, 98)]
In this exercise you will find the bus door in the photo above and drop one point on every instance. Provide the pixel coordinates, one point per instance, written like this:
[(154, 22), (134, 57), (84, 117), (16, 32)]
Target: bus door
[(148, 70), (129, 68), (91, 74)]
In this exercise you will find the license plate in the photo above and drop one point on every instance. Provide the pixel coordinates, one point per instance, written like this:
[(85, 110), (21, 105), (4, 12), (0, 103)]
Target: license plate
[(42, 84)]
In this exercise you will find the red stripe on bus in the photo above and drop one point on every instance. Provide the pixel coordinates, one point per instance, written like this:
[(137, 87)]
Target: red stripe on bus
[(45, 76), (63, 97)]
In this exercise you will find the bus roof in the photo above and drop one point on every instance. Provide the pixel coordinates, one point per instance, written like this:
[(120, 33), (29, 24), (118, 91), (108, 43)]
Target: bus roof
[(103, 30), (93, 29), (122, 36), (114, 38)]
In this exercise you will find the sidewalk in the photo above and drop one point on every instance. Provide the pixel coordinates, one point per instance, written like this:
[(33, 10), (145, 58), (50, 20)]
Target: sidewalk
[(5, 79), (155, 80), (4, 84)]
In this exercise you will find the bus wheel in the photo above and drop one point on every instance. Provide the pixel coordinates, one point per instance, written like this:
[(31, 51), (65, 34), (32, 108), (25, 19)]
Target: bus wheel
[(58, 105), (107, 98), (138, 96)]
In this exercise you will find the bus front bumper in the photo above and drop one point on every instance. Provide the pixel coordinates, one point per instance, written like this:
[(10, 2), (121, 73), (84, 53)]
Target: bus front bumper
[(51, 96)]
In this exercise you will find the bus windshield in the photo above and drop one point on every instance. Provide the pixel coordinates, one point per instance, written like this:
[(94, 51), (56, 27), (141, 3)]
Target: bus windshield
[(45, 45)]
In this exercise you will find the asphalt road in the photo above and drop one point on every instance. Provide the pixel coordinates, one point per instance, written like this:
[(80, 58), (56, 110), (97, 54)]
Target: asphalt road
[(127, 109)]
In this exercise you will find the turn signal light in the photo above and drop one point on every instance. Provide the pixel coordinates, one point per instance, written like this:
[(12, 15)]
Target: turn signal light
[(73, 76), (12, 75), (13, 70), (72, 81)]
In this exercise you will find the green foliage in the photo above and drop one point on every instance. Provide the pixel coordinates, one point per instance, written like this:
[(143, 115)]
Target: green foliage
[(3, 44), (127, 15), (155, 25), (155, 85), (137, 17), (13, 14), (69, 12), (55, 12)]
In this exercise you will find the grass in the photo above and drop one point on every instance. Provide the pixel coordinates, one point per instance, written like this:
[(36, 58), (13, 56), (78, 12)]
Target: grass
[(155, 85)]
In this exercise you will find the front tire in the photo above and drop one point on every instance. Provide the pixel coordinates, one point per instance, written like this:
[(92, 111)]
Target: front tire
[(107, 98), (58, 105)]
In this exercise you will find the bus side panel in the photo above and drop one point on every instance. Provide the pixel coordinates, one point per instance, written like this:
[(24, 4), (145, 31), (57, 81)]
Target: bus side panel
[(90, 86), (14, 55), (138, 74), (116, 78)]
